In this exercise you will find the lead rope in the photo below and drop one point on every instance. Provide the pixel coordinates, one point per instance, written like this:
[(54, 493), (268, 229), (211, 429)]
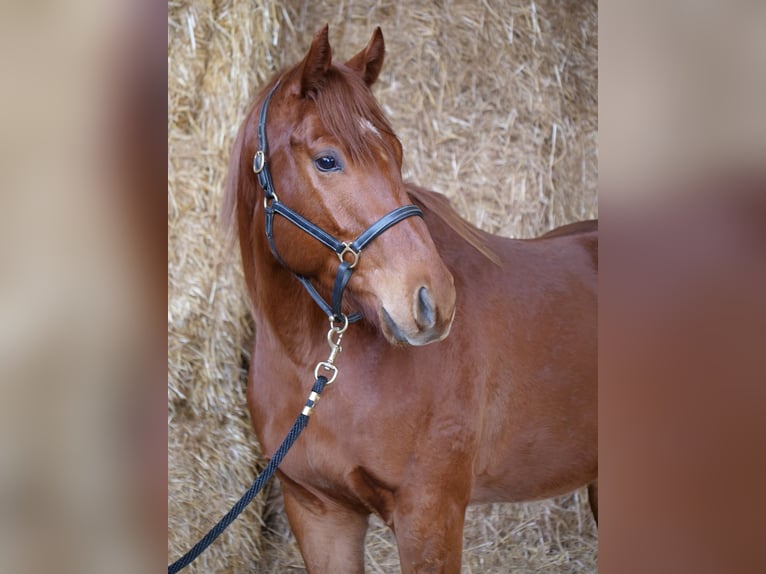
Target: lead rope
[(334, 336)]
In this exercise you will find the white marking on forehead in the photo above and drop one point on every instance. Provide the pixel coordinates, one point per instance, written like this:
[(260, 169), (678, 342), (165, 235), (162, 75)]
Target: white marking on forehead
[(367, 126)]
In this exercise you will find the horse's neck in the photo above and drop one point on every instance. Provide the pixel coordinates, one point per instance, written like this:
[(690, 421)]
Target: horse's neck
[(282, 307)]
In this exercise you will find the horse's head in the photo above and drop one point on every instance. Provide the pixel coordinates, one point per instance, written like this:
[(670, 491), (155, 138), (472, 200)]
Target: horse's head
[(334, 159)]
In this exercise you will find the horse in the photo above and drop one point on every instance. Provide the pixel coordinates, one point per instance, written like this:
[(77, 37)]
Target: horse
[(471, 373)]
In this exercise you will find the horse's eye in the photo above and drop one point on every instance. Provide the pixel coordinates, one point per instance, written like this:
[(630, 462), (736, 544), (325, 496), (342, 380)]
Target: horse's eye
[(327, 163)]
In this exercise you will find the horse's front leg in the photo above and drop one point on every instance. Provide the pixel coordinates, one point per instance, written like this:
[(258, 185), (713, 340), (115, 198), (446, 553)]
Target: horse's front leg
[(428, 523), (330, 535)]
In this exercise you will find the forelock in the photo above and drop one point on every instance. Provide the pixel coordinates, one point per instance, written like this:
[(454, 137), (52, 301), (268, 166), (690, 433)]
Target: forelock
[(348, 110)]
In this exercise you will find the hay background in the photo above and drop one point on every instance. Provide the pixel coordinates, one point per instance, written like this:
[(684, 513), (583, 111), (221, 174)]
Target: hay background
[(495, 104)]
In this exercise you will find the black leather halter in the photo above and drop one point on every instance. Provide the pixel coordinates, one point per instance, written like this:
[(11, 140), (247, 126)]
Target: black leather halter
[(348, 253)]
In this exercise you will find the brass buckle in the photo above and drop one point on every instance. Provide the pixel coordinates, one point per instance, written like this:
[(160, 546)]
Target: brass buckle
[(259, 160)]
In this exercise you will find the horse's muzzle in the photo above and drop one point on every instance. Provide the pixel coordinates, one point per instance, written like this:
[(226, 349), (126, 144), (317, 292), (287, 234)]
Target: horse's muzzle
[(426, 322)]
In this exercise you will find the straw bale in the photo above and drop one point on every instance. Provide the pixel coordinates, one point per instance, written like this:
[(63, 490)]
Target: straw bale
[(495, 103), (216, 55)]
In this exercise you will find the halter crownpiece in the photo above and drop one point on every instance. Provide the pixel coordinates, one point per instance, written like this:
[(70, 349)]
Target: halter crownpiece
[(348, 253)]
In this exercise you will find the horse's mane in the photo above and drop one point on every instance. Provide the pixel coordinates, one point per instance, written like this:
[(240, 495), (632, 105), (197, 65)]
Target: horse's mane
[(439, 205), (573, 229)]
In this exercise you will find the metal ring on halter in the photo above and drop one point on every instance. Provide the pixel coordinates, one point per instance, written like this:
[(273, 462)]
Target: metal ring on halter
[(266, 199), (348, 249), (333, 324)]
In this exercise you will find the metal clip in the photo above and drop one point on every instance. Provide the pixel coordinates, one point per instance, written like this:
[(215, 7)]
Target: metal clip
[(334, 337), (327, 366), (336, 341)]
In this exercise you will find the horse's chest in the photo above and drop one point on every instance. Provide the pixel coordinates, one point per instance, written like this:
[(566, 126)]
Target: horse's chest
[(325, 465), (276, 398)]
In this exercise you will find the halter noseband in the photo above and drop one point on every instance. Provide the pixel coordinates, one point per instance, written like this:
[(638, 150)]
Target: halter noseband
[(348, 253)]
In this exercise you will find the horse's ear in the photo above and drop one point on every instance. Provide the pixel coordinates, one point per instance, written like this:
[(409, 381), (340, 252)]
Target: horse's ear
[(369, 61), (317, 61)]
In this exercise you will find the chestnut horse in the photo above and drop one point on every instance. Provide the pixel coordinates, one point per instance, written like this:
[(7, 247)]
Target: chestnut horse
[(471, 376)]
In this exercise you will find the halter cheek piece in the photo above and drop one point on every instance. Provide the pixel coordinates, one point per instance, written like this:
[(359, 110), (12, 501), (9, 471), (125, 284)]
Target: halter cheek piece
[(348, 253)]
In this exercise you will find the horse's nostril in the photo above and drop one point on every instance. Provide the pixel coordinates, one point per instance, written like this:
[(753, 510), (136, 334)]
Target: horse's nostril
[(425, 315)]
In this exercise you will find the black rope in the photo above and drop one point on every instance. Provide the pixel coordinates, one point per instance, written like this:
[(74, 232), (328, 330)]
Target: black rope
[(255, 488)]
